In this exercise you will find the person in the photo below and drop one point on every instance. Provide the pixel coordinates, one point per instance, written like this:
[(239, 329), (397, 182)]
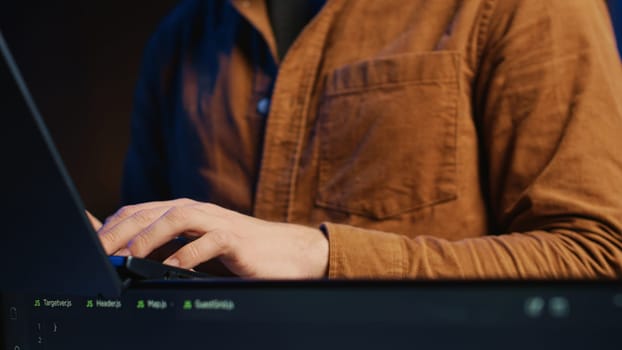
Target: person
[(387, 139)]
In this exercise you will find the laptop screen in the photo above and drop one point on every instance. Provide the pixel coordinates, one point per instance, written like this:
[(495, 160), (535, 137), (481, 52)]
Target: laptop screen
[(43, 218)]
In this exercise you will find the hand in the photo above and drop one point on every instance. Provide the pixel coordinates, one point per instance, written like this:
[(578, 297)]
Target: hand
[(247, 246)]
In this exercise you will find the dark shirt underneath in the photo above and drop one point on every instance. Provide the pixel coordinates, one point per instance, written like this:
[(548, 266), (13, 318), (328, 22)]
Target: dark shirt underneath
[(288, 17)]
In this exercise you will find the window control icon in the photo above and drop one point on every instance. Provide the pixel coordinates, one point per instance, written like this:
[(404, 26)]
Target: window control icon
[(13, 313), (534, 306)]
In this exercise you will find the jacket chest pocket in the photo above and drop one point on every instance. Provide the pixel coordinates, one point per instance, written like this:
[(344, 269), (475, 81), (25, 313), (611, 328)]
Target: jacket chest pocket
[(388, 135)]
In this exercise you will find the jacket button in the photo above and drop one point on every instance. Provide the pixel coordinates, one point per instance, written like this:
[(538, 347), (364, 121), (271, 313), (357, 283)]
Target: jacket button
[(263, 106)]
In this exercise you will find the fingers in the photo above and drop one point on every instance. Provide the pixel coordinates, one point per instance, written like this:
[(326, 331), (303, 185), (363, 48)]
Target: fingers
[(128, 221), (174, 222), (138, 230), (115, 237), (209, 246), (130, 210)]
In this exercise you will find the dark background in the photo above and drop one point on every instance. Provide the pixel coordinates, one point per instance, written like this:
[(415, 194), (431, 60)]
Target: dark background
[(80, 60), (616, 13)]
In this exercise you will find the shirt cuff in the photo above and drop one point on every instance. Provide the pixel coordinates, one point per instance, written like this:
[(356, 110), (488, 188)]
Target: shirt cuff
[(362, 253)]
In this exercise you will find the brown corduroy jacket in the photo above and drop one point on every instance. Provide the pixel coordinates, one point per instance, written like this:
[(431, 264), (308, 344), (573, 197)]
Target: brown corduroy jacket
[(428, 139)]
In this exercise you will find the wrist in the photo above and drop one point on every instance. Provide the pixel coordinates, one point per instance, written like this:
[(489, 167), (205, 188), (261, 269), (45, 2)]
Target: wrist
[(317, 253)]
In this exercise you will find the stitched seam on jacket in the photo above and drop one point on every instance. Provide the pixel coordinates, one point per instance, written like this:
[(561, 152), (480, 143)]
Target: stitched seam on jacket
[(489, 7), (351, 91)]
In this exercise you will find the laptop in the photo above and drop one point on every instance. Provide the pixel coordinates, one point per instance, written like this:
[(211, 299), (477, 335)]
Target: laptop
[(48, 242), (55, 296)]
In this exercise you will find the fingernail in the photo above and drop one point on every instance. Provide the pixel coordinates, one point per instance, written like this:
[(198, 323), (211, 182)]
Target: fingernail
[(172, 262), (124, 252)]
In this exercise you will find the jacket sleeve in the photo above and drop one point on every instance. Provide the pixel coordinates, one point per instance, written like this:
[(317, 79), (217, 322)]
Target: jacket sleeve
[(548, 103)]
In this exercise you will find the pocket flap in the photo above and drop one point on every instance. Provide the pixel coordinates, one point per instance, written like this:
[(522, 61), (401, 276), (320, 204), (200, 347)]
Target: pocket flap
[(412, 68)]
